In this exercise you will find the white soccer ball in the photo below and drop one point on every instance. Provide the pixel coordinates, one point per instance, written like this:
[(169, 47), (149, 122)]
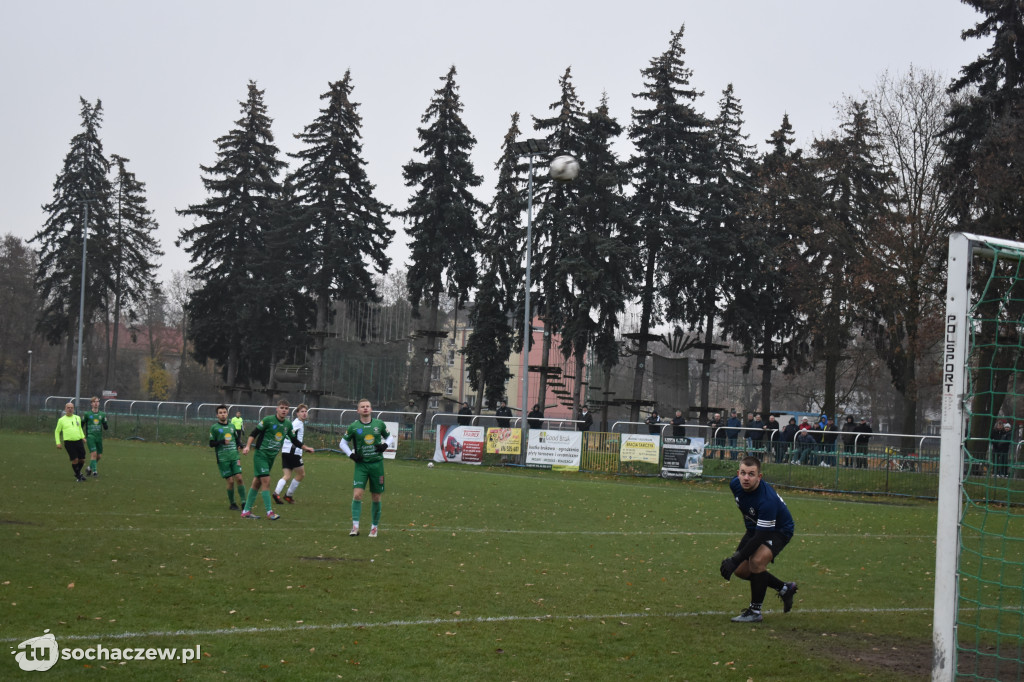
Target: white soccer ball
[(564, 168), (430, 465)]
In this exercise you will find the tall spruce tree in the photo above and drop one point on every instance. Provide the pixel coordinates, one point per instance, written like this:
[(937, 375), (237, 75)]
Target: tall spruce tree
[(598, 256), (229, 314), (83, 181), (701, 262), (557, 221), (669, 170), (134, 250), (442, 224), (763, 314), (342, 229), (854, 182), (984, 143), (491, 317)]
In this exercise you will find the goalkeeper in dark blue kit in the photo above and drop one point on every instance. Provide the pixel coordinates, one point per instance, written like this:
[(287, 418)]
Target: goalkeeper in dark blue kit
[(769, 529)]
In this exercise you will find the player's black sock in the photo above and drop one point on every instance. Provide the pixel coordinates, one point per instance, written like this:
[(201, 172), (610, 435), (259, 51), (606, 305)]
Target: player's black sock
[(77, 468), (758, 588), (772, 582)]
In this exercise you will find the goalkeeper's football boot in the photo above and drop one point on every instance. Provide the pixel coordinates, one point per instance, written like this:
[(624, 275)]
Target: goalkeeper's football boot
[(276, 498), (246, 514), (373, 531), (354, 532), (272, 515), (786, 594), (748, 616)]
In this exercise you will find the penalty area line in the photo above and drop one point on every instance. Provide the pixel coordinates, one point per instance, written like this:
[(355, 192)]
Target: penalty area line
[(547, 618)]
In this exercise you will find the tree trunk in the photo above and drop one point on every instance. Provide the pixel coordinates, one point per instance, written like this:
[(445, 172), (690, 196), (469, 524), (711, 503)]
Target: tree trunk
[(319, 342), (705, 368), (423, 361), (646, 312)]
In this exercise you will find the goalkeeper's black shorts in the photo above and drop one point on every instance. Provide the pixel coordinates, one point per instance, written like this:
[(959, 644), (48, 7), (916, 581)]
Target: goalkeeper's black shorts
[(775, 541)]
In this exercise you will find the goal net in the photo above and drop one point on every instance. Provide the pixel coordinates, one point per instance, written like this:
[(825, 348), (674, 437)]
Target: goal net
[(979, 578)]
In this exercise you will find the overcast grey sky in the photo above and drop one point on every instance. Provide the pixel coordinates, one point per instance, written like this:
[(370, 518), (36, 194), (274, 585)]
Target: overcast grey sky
[(171, 74)]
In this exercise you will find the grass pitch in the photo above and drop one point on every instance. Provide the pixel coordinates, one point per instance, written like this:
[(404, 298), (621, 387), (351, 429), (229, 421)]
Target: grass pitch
[(478, 573)]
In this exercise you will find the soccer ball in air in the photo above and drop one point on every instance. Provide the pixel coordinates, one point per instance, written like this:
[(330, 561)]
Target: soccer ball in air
[(564, 168), (430, 465)]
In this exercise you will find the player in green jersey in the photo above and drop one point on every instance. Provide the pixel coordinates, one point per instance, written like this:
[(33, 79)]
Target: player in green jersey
[(225, 445), (95, 425), (365, 442), (268, 436)]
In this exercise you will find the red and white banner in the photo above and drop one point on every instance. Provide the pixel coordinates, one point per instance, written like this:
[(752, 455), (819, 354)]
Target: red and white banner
[(464, 444)]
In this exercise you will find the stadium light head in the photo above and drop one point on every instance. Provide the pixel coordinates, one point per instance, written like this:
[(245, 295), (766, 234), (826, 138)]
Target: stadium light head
[(530, 147)]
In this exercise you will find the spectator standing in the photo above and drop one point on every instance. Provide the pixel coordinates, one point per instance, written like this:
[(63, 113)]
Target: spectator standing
[(585, 420), (653, 423), (849, 436), (788, 437), (733, 433), (757, 432), (679, 425), (536, 417), (503, 415), (716, 435), (862, 442), (771, 437), (465, 415), (828, 443), (1002, 437)]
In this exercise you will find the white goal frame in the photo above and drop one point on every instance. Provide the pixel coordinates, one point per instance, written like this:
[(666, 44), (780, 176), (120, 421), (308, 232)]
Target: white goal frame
[(962, 249)]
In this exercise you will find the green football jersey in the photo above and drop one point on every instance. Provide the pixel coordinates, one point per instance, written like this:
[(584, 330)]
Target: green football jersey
[(271, 432), (94, 423), (223, 436), (364, 438)]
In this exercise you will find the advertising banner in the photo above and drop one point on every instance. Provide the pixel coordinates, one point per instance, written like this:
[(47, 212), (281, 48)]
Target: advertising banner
[(682, 458), (639, 447), (393, 430), (559, 450), (464, 444), (503, 441)]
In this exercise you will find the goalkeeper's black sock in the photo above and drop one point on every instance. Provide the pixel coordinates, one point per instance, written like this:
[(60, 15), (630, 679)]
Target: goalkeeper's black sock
[(758, 588), (772, 582)]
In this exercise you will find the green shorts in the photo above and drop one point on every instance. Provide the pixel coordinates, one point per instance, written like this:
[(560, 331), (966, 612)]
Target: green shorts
[(95, 444), (263, 462), (372, 472), (229, 467)]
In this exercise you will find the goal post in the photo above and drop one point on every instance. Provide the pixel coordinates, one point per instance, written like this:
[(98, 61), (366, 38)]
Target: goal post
[(978, 619)]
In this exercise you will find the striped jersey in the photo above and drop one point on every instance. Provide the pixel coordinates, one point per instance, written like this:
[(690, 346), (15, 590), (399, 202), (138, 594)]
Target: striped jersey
[(762, 509)]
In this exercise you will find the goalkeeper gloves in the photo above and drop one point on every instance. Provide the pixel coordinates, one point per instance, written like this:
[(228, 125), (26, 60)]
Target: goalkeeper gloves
[(381, 447), (356, 456), (729, 565)]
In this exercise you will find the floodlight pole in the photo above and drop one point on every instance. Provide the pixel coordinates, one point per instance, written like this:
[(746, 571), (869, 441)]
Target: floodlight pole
[(81, 307), (528, 148), (28, 396)]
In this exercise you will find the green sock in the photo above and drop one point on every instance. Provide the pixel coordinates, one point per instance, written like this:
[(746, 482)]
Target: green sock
[(231, 495), (250, 499), (265, 494), (357, 508), (375, 512), (240, 491), (92, 465)]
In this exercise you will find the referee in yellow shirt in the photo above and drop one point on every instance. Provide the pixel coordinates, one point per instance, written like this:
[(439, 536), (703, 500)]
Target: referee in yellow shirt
[(69, 427)]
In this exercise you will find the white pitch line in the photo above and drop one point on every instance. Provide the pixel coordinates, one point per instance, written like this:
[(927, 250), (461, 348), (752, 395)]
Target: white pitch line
[(442, 621), (503, 531)]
